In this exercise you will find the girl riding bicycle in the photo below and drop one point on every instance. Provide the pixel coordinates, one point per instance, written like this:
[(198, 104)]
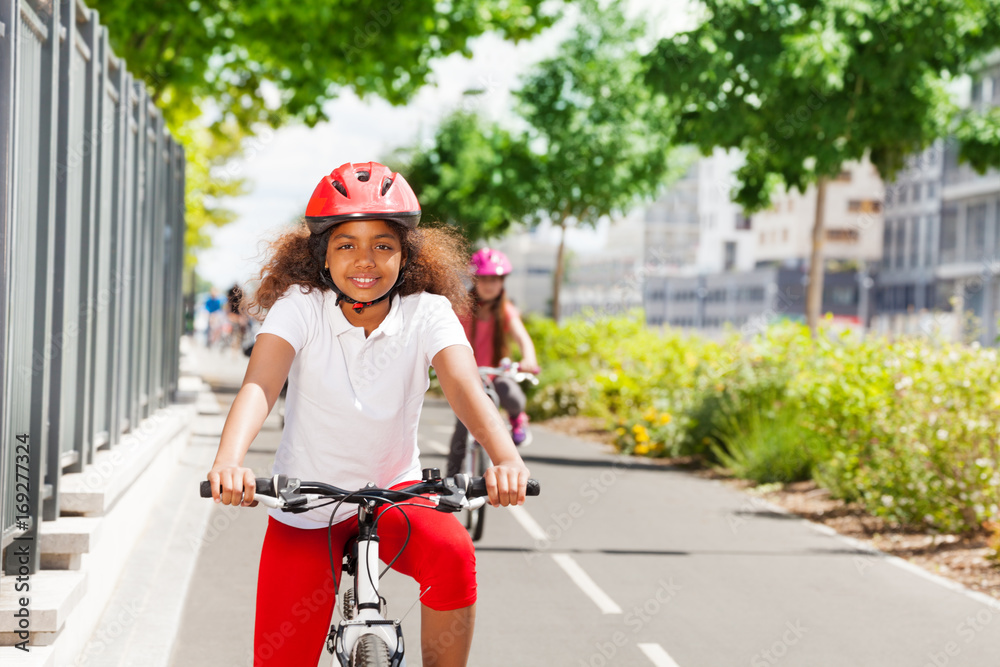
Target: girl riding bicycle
[(491, 325), (359, 305)]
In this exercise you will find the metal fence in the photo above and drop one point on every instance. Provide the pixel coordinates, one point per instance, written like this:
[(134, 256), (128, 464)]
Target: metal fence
[(92, 220)]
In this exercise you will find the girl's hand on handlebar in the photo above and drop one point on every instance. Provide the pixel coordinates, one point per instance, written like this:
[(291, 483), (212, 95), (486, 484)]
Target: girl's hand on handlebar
[(233, 485), (506, 483)]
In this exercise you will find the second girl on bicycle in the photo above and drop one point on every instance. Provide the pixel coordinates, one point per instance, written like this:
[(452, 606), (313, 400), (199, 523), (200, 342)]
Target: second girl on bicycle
[(490, 327)]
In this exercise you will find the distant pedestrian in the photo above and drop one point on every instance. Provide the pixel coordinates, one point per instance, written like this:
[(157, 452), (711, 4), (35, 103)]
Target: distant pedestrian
[(216, 320)]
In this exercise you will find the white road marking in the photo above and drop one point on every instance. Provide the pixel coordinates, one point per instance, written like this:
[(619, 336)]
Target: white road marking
[(436, 446), (586, 584), (529, 524), (657, 655)]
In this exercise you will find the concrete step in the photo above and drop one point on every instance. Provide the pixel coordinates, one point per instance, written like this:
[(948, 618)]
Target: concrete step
[(64, 541), (51, 597)]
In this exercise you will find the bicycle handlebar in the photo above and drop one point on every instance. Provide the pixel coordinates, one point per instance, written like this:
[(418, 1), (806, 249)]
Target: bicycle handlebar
[(518, 376), (293, 493)]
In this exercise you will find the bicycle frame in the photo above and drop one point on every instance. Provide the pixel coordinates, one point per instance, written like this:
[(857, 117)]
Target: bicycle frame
[(367, 617), (450, 494)]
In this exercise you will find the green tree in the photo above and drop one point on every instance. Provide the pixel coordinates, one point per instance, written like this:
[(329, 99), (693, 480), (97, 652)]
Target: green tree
[(210, 64), (803, 87), (227, 52), (602, 137), (474, 176)]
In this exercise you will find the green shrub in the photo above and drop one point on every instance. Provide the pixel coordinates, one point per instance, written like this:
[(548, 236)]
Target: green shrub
[(909, 427)]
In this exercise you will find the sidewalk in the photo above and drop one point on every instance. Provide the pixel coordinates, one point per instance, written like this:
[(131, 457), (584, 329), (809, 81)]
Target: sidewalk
[(140, 622)]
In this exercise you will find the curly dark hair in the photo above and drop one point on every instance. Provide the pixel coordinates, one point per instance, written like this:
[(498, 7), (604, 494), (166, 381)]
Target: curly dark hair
[(437, 261)]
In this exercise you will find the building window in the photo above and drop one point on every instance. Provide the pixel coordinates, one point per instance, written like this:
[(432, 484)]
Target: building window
[(977, 92), (975, 239), (784, 235), (949, 234), (887, 244), (914, 228), (916, 192), (929, 223), (843, 177), (844, 296), (901, 194), (868, 205), (931, 190), (899, 247), (742, 221), (730, 256), (763, 238), (843, 235)]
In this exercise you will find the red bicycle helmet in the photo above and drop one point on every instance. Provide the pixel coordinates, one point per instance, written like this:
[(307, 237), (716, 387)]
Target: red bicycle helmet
[(367, 190)]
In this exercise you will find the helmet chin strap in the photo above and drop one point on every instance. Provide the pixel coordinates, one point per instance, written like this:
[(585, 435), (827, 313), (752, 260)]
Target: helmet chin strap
[(357, 306)]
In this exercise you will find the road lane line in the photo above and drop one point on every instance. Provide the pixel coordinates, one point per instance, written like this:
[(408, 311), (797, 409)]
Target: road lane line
[(436, 446), (529, 524), (586, 584), (657, 655)]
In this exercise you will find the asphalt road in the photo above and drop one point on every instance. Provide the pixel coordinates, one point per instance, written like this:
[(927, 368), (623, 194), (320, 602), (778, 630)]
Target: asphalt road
[(623, 563)]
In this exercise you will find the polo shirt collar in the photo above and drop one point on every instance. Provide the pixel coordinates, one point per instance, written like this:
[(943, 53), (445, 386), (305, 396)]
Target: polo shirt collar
[(390, 326)]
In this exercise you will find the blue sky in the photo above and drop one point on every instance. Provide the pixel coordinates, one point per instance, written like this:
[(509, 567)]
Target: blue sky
[(284, 166)]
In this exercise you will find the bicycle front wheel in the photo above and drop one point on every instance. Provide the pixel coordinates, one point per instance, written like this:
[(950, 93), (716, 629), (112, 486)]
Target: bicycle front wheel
[(370, 651), (475, 519)]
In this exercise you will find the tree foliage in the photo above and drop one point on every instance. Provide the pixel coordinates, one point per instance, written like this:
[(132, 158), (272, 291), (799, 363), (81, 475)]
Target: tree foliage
[(210, 63), (803, 87), (211, 176), (602, 138), (193, 51), (474, 176)]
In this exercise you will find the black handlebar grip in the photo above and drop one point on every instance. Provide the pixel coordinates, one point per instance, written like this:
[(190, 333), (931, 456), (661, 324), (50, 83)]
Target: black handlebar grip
[(478, 488), (265, 485)]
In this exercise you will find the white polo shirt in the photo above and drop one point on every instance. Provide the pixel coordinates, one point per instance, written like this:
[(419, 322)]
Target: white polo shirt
[(353, 403)]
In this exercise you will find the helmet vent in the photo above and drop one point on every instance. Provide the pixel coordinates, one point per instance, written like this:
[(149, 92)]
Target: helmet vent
[(386, 184), (364, 175), (340, 188)]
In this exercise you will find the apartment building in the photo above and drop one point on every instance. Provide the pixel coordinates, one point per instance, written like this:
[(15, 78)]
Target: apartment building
[(852, 220)]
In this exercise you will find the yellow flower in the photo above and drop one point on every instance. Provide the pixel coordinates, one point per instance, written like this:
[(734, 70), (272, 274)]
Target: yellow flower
[(620, 431), (665, 419), (642, 437), (641, 449)]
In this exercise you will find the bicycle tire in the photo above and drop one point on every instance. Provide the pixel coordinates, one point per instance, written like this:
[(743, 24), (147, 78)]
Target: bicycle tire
[(370, 651), (475, 520)]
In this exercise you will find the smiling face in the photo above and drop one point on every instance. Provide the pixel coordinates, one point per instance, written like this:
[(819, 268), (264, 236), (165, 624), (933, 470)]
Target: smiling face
[(364, 257)]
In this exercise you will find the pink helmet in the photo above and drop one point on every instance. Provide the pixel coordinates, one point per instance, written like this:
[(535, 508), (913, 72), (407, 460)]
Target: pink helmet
[(489, 262)]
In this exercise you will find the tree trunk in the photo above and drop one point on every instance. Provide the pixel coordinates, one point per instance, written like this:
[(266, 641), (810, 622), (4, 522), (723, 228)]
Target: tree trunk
[(814, 293), (560, 262)]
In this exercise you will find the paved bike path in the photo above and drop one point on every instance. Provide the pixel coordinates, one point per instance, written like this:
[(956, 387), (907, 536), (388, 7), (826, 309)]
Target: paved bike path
[(712, 577), (702, 576)]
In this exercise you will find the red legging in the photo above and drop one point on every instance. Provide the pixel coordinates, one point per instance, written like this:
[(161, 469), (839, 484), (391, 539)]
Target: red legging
[(295, 592)]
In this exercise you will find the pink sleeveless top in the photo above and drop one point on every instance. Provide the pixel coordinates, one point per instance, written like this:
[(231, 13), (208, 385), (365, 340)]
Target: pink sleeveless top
[(482, 347)]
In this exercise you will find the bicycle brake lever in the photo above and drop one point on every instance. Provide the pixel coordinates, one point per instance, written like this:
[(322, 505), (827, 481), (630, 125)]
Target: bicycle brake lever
[(454, 499)]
